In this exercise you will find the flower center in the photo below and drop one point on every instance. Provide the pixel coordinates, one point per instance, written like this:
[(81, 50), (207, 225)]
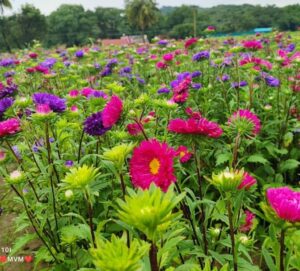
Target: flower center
[(181, 154), (154, 166)]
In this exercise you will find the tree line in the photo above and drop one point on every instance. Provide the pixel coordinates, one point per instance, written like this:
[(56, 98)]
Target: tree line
[(73, 25)]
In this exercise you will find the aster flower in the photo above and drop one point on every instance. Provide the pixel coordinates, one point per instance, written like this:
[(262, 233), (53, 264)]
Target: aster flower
[(252, 44), (272, 81), (247, 182), (237, 85), (196, 74), (184, 154), (112, 111), (201, 56), (93, 125), (168, 57), (162, 43), (9, 127), (163, 90), (285, 202), (79, 54), (249, 219), (242, 118), (5, 103), (152, 162), (55, 103), (190, 43), (181, 89), (195, 126)]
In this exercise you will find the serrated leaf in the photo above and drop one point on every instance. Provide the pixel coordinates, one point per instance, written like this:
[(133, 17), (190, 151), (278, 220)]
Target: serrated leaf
[(257, 158), (222, 158), (289, 164)]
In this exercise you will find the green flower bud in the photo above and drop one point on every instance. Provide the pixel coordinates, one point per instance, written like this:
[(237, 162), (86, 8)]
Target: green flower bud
[(227, 180)]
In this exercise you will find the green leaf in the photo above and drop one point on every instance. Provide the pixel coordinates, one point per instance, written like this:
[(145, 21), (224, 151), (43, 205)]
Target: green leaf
[(21, 242), (222, 158), (289, 164), (257, 158), (268, 259)]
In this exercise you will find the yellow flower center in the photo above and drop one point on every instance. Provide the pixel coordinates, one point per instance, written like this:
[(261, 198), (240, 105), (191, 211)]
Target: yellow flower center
[(154, 166), (181, 154)]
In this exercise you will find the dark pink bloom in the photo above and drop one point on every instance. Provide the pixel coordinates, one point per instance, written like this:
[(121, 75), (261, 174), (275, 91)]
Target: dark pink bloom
[(195, 126), (258, 62), (9, 127), (112, 111), (247, 181), (184, 154), (252, 44), (247, 226), (251, 117), (43, 109), (285, 202), (161, 65), (73, 93), (134, 129), (33, 55), (190, 42), (168, 57)]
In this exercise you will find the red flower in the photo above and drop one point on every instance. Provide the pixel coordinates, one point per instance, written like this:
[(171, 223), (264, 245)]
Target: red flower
[(152, 162), (9, 127)]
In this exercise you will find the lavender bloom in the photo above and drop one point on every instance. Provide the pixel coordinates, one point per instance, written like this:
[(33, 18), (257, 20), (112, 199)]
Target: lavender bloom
[(55, 103), (79, 54), (196, 86), (99, 94), (163, 90), (48, 63), (112, 62), (17, 151), (224, 78), (6, 62), (37, 145), (272, 81), (290, 48), (5, 103), (9, 74), (196, 74), (67, 63), (93, 125), (239, 84), (182, 76), (7, 90), (201, 56), (140, 80), (69, 163), (97, 66), (126, 70), (106, 72), (162, 42)]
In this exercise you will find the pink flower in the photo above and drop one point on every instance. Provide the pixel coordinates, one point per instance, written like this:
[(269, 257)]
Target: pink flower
[(210, 28), (252, 44), (181, 90), (73, 93), (112, 111), (9, 127), (168, 57), (161, 65), (184, 154), (152, 162), (33, 55), (86, 92), (43, 109), (74, 108), (247, 182), (285, 202), (190, 42), (134, 129), (247, 226), (248, 115), (259, 63), (195, 126)]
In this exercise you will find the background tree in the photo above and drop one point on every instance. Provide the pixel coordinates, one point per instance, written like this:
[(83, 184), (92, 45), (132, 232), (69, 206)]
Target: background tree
[(141, 14), (4, 4)]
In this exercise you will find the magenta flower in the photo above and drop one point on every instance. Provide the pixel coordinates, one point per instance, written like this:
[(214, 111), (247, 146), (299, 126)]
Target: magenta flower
[(112, 111), (168, 57), (252, 44), (9, 127), (247, 226), (195, 126), (249, 116), (43, 109), (184, 154), (285, 202), (247, 182)]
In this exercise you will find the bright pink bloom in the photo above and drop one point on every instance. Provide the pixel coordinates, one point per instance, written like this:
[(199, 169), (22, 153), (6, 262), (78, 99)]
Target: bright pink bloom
[(285, 202), (181, 90), (43, 109), (168, 57), (190, 42), (74, 93), (112, 111), (210, 28), (195, 126), (252, 44), (161, 65), (74, 108), (247, 226), (184, 154), (247, 181), (251, 117), (152, 162), (9, 127), (87, 92), (134, 129), (33, 55), (259, 63)]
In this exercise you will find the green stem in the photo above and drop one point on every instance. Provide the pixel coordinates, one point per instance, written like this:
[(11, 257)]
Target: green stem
[(153, 257), (90, 213), (282, 235), (232, 238)]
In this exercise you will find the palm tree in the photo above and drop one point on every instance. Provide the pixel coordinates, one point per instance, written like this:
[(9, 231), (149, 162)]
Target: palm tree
[(141, 13), (4, 4)]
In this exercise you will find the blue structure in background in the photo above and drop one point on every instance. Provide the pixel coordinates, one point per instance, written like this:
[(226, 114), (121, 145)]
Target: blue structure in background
[(263, 30)]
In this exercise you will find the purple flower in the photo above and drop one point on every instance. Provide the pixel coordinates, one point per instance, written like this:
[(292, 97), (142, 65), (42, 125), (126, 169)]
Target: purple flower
[(55, 103), (99, 94), (17, 151), (7, 90), (201, 56), (239, 84), (69, 163), (272, 81), (97, 66), (93, 125), (5, 103), (106, 72), (48, 63), (163, 90), (9, 74), (67, 63), (196, 74), (112, 62), (196, 86), (162, 42), (7, 62), (126, 70), (79, 54), (224, 78)]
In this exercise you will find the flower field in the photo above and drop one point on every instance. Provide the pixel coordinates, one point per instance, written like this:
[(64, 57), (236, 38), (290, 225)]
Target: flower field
[(172, 156)]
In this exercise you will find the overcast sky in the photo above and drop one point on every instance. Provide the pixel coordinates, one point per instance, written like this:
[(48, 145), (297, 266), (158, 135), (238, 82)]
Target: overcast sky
[(47, 6)]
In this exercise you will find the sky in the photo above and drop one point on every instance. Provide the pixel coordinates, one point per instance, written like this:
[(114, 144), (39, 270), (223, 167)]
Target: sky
[(47, 6)]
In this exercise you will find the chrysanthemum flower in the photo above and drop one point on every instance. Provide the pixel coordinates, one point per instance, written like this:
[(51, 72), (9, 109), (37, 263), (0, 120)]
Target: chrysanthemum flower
[(285, 202), (55, 103), (247, 182), (93, 125), (184, 154), (190, 42), (9, 127), (247, 226), (112, 111), (195, 126), (5, 103), (201, 56), (152, 162), (249, 117), (252, 44)]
